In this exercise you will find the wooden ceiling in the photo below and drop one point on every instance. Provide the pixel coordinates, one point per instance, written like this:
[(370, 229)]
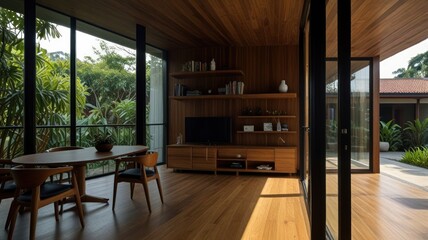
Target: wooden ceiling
[(379, 27)]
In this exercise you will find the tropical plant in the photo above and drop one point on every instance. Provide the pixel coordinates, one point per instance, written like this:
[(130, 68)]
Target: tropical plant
[(390, 132), (417, 67), (52, 84), (416, 133), (417, 156)]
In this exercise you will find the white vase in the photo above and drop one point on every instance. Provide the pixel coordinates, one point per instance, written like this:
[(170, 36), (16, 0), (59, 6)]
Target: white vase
[(283, 87)]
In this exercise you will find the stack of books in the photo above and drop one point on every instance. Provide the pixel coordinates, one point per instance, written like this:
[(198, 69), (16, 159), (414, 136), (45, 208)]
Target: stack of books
[(233, 88), (193, 93)]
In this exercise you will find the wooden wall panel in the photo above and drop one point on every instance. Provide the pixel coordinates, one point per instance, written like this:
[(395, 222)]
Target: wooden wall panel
[(264, 67)]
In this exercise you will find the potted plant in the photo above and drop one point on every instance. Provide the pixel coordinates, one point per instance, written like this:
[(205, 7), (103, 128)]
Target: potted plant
[(390, 136), (103, 142)]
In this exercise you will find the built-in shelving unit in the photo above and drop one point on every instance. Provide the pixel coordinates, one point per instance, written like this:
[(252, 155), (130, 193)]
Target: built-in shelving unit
[(237, 96), (217, 73), (259, 104)]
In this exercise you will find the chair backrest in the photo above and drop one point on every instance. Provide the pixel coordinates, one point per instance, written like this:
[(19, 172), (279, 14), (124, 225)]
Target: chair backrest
[(149, 160), (27, 178), (5, 172), (65, 148)]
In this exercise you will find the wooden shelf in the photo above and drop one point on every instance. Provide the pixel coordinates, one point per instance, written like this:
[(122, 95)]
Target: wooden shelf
[(217, 73), (231, 159), (267, 132), (267, 116), (242, 96)]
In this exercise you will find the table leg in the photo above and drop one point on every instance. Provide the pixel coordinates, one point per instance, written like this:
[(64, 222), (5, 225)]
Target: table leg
[(81, 183)]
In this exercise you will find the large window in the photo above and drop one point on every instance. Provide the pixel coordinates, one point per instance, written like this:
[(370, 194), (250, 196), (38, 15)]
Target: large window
[(11, 80), (53, 81), (105, 86), (155, 98)]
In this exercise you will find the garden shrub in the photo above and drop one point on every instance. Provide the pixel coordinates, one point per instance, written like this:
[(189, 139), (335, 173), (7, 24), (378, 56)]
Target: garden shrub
[(416, 156)]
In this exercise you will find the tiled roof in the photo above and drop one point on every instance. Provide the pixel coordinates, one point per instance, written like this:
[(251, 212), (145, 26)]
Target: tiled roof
[(404, 85)]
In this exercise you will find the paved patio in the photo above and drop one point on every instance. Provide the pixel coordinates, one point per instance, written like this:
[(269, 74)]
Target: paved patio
[(390, 165)]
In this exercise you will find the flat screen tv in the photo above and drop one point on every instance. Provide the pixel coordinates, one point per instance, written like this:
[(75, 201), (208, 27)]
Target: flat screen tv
[(208, 130)]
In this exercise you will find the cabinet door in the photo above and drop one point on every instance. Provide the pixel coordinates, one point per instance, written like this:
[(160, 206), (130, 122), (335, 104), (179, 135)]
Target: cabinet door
[(203, 158), (286, 160), (180, 157), (261, 154)]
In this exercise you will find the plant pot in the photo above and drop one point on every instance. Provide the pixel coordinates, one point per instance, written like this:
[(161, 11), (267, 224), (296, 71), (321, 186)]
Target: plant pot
[(104, 147), (383, 146)]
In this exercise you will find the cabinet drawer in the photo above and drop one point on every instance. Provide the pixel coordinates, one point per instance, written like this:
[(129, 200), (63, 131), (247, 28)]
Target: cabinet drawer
[(232, 153), (180, 157), (286, 160), (261, 154)]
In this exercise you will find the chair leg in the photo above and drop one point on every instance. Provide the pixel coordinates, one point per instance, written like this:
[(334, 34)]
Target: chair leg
[(159, 188), (12, 221), (56, 211), (146, 191), (132, 185), (33, 222), (14, 207), (114, 193)]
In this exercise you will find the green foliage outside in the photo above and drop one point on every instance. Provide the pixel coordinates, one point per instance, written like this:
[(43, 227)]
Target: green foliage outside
[(417, 67), (390, 132), (416, 133), (416, 156), (105, 91)]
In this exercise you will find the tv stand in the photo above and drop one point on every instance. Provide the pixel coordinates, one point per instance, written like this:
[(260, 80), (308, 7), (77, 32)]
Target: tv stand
[(232, 158)]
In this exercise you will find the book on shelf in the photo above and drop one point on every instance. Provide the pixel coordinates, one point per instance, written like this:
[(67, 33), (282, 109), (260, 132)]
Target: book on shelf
[(193, 93), (180, 90), (235, 88)]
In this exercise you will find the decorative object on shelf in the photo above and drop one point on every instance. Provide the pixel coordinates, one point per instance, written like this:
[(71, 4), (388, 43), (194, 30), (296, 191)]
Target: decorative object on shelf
[(283, 88), (281, 141), (264, 167), (180, 138), (267, 127), (278, 126), (236, 165), (212, 66), (103, 142), (248, 128), (284, 127)]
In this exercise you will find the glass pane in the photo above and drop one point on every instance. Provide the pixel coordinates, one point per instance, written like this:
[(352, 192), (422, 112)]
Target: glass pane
[(11, 80), (155, 97), (331, 148), (360, 115), (52, 81), (106, 65), (332, 209), (106, 71)]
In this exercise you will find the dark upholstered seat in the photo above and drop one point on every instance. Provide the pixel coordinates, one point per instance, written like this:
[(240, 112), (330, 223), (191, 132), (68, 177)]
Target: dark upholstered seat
[(33, 192)]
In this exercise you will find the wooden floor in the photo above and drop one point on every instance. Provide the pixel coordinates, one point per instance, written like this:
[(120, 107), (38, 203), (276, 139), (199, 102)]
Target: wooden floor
[(197, 206), (382, 208)]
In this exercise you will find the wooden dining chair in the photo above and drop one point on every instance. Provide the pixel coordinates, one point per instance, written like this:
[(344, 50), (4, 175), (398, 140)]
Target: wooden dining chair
[(139, 169), (7, 185), (34, 193), (58, 149)]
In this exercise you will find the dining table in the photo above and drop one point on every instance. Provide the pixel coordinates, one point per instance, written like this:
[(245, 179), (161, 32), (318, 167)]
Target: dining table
[(78, 159)]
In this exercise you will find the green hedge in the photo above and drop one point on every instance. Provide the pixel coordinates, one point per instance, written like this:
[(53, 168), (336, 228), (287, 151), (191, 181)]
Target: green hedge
[(416, 156)]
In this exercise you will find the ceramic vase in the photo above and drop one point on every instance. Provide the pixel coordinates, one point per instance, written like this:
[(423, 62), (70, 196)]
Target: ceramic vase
[(283, 88)]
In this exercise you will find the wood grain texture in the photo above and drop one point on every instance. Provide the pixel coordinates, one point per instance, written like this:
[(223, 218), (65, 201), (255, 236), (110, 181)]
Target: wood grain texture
[(383, 207), (174, 24), (263, 68), (379, 28), (197, 206)]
